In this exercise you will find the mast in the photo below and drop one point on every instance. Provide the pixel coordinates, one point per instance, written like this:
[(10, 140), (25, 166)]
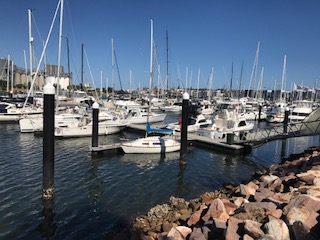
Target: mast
[(112, 79), (107, 88), (254, 71), (151, 69), (283, 82), (186, 86), (167, 75), (11, 77), (231, 80), (198, 84), (30, 45), (59, 52), (25, 62), (158, 88), (259, 95), (240, 82), (210, 84), (68, 56), (101, 84), (42, 54), (81, 67), (130, 81), (8, 73)]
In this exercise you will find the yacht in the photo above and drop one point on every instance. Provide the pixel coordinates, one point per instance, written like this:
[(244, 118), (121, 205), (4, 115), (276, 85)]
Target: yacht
[(194, 123), (300, 110), (142, 116), (226, 121)]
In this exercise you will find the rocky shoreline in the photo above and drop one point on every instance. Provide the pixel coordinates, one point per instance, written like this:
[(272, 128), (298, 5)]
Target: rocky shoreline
[(281, 203)]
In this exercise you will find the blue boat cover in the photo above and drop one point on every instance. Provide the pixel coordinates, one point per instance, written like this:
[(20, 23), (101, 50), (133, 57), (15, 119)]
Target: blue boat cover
[(158, 130)]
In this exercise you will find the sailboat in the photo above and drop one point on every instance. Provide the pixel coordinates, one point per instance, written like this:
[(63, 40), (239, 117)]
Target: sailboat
[(277, 112), (152, 144), (34, 123), (11, 111)]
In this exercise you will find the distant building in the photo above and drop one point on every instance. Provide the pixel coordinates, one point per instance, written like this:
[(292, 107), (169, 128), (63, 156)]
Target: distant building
[(21, 76)]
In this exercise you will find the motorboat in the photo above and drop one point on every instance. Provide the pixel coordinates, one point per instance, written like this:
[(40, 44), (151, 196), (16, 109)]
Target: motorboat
[(300, 110), (174, 107), (140, 116), (105, 127), (206, 107), (226, 122), (194, 123), (276, 114)]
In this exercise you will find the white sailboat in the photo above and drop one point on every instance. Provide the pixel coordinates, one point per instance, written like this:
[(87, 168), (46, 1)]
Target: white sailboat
[(276, 114), (154, 144), (9, 111), (28, 123)]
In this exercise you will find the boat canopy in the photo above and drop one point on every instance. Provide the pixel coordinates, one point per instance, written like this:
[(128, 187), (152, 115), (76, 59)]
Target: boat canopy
[(158, 130)]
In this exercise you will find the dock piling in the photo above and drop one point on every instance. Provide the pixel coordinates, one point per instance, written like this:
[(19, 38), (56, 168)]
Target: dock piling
[(184, 126), (48, 141), (286, 120), (95, 125), (259, 116)]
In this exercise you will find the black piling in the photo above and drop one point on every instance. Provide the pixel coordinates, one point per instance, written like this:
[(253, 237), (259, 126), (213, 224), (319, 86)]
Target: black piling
[(286, 120), (95, 127), (184, 126), (259, 116), (48, 141)]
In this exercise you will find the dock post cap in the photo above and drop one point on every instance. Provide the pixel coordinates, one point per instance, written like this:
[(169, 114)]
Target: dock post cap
[(186, 96), (49, 89), (95, 105)]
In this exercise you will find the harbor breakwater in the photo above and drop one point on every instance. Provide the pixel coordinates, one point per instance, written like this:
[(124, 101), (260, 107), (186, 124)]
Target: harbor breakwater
[(280, 203)]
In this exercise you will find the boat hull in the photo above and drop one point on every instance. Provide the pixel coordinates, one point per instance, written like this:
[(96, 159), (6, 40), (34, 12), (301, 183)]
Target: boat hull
[(151, 145), (86, 131)]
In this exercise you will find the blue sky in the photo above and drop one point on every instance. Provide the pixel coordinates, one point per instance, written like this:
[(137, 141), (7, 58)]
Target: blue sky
[(201, 34)]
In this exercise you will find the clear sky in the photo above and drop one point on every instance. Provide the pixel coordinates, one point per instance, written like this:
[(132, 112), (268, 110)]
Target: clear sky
[(201, 34)]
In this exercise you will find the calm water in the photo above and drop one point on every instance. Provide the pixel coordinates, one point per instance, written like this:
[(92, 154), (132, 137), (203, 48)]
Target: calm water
[(93, 194)]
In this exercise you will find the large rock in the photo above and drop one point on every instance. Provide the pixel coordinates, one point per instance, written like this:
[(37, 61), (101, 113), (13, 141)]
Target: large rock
[(216, 210), (247, 191), (253, 228), (309, 176), (195, 217), (235, 229), (307, 217), (303, 201), (175, 234), (278, 229)]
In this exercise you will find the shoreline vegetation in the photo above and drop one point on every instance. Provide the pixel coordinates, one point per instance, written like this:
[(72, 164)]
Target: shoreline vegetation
[(280, 203)]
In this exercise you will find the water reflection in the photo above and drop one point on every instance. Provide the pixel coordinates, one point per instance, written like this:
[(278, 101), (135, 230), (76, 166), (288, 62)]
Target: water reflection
[(149, 161), (93, 184), (48, 226)]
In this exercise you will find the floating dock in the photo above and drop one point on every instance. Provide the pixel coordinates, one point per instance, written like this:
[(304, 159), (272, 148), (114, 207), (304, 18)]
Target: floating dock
[(193, 139)]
